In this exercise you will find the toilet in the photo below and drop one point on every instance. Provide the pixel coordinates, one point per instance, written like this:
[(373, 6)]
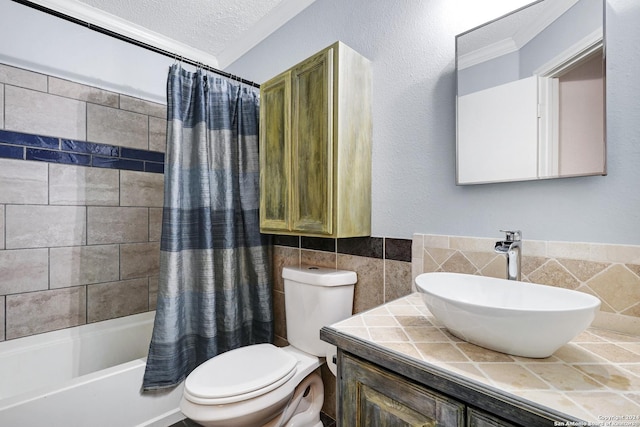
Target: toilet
[(263, 385)]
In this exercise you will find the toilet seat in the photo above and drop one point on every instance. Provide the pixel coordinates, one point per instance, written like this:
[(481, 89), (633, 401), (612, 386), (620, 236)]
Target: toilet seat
[(239, 374)]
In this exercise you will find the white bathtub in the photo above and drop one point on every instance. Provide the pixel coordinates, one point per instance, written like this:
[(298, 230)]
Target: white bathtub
[(90, 375)]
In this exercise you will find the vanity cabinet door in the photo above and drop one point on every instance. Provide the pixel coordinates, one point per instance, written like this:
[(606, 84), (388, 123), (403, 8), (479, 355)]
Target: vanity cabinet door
[(476, 418), (370, 396)]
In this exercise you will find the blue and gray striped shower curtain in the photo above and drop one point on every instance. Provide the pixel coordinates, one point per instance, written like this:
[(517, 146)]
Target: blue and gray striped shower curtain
[(214, 291)]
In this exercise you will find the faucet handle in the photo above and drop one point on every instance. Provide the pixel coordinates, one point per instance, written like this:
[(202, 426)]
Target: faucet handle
[(512, 236)]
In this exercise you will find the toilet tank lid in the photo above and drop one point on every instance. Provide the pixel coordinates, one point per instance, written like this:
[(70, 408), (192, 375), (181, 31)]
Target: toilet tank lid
[(319, 276)]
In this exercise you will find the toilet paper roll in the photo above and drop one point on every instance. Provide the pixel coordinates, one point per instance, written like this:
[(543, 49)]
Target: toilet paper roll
[(332, 354)]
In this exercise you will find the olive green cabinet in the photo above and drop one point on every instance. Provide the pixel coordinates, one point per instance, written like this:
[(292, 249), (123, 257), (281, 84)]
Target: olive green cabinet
[(315, 147), (369, 396)]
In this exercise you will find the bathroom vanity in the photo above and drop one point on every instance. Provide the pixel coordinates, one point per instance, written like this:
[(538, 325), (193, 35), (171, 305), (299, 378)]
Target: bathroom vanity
[(399, 366)]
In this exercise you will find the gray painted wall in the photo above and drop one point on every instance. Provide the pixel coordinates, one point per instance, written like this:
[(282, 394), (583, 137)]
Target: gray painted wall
[(411, 45), (39, 42)]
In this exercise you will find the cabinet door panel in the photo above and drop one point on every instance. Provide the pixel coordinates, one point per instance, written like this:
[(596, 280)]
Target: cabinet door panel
[(378, 410), (275, 153), (476, 418), (372, 396), (312, 139)]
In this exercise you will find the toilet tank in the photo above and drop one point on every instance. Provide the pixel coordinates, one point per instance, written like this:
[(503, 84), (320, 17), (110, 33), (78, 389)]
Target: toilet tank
[(315, 297)]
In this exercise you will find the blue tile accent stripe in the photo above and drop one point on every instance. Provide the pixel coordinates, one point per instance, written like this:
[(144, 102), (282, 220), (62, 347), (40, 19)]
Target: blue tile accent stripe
[(17, 138), (24, 146)]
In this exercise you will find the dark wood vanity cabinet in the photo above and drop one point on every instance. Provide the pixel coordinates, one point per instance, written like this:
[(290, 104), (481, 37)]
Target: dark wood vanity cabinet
[(371, 396), (477, 418)]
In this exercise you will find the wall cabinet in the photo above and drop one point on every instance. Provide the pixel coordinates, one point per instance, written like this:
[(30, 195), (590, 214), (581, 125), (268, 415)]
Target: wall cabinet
[(315, 147), (369, 395)]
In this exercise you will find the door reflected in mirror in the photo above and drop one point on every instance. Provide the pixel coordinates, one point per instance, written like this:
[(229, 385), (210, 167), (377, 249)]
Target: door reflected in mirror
[(531, 94)]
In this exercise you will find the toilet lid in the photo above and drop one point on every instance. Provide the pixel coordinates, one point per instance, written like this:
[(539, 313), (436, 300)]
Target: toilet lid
[(245, 370)]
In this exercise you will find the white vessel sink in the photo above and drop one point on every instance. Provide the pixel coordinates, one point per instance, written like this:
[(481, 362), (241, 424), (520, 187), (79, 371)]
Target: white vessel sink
[(518, 318)]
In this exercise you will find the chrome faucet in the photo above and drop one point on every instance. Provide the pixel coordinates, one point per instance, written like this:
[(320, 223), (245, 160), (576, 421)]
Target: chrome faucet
[(511, 247)]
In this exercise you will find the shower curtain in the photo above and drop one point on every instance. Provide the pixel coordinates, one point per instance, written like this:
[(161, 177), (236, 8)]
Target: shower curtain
[(214, 290)]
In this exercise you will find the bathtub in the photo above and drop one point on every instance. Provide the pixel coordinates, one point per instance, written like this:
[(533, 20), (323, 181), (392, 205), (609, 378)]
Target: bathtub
[(90, 375)]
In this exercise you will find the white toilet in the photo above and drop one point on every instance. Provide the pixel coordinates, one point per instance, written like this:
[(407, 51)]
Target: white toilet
[(263, 385)]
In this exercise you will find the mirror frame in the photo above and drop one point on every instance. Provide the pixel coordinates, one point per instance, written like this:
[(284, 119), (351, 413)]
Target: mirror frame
[(598, 46)]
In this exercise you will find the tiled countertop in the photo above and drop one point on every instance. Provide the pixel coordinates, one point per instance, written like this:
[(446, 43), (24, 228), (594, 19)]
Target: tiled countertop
[(595, 376)]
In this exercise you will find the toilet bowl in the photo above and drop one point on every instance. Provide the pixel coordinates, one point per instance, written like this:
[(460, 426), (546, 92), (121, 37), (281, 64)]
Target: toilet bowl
[(267, 386)]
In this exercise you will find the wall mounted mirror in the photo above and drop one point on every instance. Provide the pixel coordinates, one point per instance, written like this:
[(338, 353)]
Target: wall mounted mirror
[(530, 94)]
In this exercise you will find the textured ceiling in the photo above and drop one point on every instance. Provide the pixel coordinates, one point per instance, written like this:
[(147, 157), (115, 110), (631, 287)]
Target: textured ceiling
[(208, 25)]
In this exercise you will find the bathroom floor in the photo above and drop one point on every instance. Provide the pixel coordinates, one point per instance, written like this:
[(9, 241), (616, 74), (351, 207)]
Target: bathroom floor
[(326, 422)]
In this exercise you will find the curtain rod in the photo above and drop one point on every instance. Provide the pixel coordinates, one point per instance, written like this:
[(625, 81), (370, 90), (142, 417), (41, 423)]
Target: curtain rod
[(134, 41)]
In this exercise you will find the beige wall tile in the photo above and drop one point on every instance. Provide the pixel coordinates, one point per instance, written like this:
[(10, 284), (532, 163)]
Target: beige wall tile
[(369, 290), (625, 254), (23, 182), (1, 106), (570, 250), (37, 312), (553, 273), (153, 292), (117, 225), (139, 260), (417, 245), (157, 134), (155, 224), (44, 114), (439, 255), (534, 248), (416, 269), (458, 263), (397, 279), (1, 226), (436, 241), (283, 256), (141, 189), (78, 185), (112, 126), (117, 299), (318, 258), (30, 226), (2, 326), (477, 244), (82, 92), (279, 315), (81, 265), (617, 286), (23, 78), (24, 270), (141, 106)]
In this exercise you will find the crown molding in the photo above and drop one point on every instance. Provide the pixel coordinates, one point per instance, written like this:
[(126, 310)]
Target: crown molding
[(100, 18), (520, 38), (486, 53), (276, 18)]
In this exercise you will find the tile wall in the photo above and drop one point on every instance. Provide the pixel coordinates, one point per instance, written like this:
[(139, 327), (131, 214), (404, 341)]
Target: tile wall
[(611, 272), (81, 193), (383, 266)]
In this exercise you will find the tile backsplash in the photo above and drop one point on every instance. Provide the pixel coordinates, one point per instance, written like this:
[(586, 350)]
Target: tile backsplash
[(610, 272), (81, 194)]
